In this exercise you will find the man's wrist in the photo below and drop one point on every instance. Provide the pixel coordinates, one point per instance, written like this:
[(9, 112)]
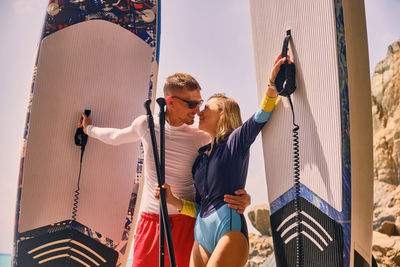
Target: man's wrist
[(177, 203), (87, 128)]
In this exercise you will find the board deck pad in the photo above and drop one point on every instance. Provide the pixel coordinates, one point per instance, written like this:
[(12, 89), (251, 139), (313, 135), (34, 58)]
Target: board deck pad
[(323, 238), (67, 247), (102, 56), (334, 117)]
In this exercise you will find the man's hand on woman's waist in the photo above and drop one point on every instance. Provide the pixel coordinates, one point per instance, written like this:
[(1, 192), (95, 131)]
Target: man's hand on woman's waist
[(239, 202)]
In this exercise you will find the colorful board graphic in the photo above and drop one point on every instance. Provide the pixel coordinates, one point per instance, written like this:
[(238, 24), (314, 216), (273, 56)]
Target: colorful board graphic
[(100, 55), (332, 109)]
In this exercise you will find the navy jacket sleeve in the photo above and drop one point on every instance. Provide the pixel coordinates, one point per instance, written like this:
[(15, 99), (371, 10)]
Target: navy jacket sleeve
[(241, 138)]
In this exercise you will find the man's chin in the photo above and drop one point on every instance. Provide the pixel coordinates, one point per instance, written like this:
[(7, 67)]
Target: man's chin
[(189, 122)]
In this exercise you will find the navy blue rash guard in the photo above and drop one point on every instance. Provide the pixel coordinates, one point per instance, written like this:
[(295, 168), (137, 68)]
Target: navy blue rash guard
[(225, 170)]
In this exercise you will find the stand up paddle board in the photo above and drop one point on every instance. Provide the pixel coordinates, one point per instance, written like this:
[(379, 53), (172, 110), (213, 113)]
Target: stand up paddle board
[(100, 55), (332, 108)]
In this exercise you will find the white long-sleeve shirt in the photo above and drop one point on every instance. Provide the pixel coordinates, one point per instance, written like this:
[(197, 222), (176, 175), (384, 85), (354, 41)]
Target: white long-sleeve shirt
[(181, 149)]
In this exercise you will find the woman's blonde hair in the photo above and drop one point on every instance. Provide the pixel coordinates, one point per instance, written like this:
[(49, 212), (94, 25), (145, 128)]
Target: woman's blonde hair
[(230, 117)]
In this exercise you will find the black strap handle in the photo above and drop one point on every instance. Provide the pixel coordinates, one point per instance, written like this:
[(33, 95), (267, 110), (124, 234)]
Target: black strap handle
[(285, 81), (286, 43)]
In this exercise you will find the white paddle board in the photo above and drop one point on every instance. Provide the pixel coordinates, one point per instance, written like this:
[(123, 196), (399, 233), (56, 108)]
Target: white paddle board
[(332, 107)]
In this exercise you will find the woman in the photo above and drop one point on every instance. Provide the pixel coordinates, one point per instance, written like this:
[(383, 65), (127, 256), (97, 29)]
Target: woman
[(221, 167)]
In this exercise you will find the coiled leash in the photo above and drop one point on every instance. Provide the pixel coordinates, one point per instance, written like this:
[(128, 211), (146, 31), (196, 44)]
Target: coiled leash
[(80, 140), (285, 83)]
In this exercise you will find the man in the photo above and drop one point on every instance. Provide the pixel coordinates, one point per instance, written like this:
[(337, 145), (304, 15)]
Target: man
[(182, 141)]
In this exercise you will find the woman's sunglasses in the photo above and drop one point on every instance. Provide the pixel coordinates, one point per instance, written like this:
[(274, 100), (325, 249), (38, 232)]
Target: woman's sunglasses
[(191, 104)]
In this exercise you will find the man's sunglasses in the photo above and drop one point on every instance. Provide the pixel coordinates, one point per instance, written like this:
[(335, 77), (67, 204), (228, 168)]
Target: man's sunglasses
[(191, 104)]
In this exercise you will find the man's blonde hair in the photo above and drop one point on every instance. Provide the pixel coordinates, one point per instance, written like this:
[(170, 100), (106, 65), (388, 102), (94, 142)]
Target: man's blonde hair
[(230, 117), (179, 81)]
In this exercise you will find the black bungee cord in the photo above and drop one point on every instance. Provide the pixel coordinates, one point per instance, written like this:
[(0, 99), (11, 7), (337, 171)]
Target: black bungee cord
[(285, 83), (80, 140)]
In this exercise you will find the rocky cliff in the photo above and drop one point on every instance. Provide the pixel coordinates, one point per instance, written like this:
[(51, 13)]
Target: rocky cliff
[(385, 97)]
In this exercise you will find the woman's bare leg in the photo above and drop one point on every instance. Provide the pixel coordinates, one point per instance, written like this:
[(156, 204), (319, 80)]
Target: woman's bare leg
[(199, 256), (232, 250)]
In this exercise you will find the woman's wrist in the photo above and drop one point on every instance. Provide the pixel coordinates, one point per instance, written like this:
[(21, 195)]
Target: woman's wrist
[(271, 82), (271, 92)]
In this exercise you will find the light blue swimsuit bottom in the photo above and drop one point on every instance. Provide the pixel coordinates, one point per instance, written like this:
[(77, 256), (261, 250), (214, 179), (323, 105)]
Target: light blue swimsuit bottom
[(209, 230)]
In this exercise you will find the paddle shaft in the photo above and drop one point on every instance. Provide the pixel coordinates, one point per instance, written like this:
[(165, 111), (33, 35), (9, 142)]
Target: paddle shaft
[(162, 173), (163, 203)]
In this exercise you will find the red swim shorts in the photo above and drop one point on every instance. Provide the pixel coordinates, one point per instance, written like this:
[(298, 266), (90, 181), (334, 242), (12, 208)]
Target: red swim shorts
[(146, 248)]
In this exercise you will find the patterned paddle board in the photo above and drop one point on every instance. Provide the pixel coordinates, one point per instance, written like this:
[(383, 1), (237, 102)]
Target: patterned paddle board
[(100, 55)]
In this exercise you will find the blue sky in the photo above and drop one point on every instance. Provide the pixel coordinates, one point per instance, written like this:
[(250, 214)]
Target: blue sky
[(209, 39)]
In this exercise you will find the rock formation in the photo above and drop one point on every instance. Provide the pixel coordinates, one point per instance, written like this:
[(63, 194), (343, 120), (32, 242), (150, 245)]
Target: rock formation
[(259, 217), (385, 95), (261, 246), (385, 90)]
